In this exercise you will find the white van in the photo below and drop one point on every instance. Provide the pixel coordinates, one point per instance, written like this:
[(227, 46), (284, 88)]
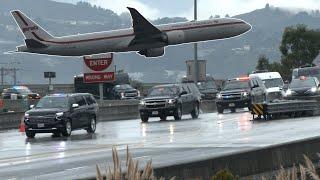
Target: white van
[(273, 83)]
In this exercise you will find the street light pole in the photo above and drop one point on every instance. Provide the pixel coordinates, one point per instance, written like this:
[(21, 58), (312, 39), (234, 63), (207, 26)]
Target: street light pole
[(196, 64)]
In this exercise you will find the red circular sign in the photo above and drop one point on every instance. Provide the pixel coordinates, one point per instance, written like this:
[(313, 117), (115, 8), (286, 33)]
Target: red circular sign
[(98, 64)]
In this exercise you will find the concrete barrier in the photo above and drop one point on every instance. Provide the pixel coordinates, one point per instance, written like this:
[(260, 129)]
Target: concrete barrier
[(246, 163)]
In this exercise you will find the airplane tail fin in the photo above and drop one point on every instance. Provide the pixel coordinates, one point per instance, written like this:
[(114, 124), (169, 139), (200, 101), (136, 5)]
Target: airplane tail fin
[(31, 30)]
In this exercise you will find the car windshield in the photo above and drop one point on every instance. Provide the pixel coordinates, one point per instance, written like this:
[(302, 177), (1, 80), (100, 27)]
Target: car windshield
[(270, 83), (123, 86), (308, 72), (164, 91), (53, 102), (230, 85), (307, 83), (23, 91), (206, 85)]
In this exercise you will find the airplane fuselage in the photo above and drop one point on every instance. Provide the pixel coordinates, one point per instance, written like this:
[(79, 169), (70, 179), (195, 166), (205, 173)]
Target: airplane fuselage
[(119, 40)]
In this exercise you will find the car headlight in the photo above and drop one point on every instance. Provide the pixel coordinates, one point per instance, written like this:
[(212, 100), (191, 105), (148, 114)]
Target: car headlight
[(142, 103), (59, 115), (245, 94), (26, 115), (171, 101), (219, 96), (122, 94), (289, 92), (314, 89)]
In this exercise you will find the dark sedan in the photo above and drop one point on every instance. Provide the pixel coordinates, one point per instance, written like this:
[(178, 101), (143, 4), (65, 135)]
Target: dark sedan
[(303, 87)]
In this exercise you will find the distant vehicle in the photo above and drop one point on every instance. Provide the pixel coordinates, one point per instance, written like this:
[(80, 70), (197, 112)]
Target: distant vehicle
[(303, 87), (61, 114), (148, 40), (93, 88), (240, 93), (207, 88), (171, 100), (22, 92), (306, 71), (274, 84), (125, 91)]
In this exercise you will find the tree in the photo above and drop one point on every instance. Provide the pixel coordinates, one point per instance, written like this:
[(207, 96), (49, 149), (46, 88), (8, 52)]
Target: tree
[(299, 46), (263, 63)]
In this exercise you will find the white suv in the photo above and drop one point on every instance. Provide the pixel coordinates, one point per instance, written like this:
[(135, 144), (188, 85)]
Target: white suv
[(273, 83)]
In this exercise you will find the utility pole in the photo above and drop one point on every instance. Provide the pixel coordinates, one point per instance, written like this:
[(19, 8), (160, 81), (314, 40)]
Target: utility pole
[(14, 70), (196, 64), (2, 77)]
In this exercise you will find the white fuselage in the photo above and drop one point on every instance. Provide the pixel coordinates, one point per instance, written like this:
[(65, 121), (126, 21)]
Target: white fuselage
[(119, 40)]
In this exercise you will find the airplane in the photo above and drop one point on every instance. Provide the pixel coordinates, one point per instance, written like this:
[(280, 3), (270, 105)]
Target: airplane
[(145, 38)]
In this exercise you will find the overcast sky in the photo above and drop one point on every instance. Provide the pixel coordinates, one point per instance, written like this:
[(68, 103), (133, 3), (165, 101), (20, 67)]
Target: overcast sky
[(168, 8)]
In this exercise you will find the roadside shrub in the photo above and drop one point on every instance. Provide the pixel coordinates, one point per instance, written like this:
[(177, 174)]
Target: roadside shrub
[(224, 175)]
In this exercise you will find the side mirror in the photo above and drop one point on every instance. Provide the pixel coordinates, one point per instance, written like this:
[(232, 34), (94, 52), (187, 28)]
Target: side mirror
[(183, 93), (74, 106), (31, 106)]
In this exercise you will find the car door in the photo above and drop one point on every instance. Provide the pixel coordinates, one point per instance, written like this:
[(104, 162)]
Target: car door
[(74, 113), (184, 99), (255, 92), (82, 121)]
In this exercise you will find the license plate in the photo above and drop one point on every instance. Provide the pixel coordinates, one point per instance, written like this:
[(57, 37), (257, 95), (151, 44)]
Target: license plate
[(155, 112), (232, 105), (40, 125)]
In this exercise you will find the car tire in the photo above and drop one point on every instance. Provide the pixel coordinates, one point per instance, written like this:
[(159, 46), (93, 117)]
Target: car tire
[(178, 113), (30, 134), (56, 134), (220, 110), (195, 112), (144, 118), (67, 129), (163, 117), (92, 125)]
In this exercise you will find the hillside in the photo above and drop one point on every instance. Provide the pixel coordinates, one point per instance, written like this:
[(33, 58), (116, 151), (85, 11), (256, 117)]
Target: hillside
[(225, 58)]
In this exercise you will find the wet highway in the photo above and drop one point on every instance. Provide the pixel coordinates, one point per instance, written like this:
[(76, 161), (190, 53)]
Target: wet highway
[(165, 142)]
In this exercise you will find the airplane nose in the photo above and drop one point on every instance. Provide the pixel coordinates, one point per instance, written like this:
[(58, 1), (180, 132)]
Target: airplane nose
[(247, 27)]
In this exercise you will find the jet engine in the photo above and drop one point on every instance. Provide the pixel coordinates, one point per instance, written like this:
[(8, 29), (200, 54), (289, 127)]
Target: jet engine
[(155, 52), (175, 37)]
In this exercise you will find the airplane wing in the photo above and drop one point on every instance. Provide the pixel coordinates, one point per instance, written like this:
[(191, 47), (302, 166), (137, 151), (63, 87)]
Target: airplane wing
[(144, 31)]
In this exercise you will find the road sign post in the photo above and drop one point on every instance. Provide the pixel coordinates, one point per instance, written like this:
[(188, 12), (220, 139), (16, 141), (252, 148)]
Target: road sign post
[(50, 75), (98, 69)]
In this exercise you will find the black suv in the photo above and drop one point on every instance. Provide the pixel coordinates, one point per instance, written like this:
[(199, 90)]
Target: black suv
[(171, 100), (61, 114), (125, 91), (240, 93)]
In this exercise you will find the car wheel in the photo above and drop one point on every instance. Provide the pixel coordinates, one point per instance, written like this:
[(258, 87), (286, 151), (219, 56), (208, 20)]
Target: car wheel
[(178, 113), (92, 126), (163, 117), (195, 112), (30, 134), (220, 110), (67, 129), (144, 118), (56, 134)]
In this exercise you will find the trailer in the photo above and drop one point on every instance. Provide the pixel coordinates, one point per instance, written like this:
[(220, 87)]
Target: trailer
[(291, 108)]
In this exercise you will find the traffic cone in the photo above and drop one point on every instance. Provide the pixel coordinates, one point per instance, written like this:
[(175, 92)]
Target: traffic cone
[(22, 126)]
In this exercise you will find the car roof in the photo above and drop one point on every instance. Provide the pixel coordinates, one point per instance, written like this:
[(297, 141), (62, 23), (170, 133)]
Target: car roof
[(167, 85), (266, 75), (67, 94)]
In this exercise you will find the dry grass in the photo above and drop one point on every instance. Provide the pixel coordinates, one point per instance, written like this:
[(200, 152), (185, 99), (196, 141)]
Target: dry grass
[(133, 171), (303, 172)]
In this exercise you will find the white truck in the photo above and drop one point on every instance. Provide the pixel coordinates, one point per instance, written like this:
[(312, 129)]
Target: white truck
[(273, 83)]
